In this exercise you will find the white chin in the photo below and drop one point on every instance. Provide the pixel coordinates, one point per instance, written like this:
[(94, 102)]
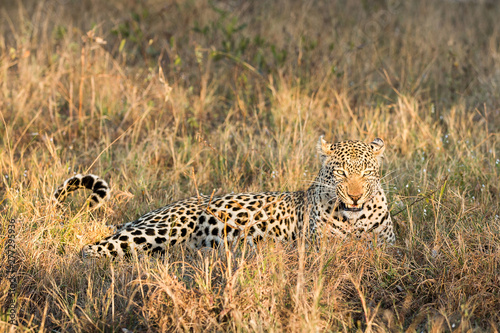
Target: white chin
[(351, 214)]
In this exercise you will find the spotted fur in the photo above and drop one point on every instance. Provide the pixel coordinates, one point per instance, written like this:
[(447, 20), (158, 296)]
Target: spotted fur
[(99, 187), (345, 198)]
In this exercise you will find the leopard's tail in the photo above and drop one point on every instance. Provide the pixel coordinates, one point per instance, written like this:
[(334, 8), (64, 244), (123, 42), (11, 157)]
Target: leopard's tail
[(99, 187)]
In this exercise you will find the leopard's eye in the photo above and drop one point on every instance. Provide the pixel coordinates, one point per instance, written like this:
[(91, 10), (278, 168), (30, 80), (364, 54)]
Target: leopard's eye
[(368, 172), (340, 172)]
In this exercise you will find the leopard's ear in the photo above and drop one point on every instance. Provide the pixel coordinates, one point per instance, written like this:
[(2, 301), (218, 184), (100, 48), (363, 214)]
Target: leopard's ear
[(378, 147), (323, 147)]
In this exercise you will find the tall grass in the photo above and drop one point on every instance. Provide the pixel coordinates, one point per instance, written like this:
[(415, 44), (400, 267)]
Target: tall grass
[(148, 94)]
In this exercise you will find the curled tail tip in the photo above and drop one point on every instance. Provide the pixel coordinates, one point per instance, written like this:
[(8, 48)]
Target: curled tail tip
[(99, 187)]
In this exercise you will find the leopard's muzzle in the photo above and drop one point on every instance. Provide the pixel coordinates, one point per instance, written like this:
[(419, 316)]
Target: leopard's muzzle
[(350, 208)]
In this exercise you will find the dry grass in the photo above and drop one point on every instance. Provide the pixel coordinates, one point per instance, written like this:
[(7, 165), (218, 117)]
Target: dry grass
[(244, 92)]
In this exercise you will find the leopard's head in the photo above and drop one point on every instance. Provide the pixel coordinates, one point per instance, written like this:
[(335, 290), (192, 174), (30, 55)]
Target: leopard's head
[(351, 170)]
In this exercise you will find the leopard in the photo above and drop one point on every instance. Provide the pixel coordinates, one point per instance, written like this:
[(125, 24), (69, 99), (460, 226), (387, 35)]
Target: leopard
[(345, 198)]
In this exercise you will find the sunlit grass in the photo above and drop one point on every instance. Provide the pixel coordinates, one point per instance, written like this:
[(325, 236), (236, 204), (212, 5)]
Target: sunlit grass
[(148, 94)]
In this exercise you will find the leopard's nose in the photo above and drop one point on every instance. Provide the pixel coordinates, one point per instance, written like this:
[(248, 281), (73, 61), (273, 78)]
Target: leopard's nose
[(355, 197)]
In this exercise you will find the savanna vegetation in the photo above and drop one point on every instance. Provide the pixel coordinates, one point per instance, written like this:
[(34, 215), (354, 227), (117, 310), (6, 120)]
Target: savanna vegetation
[(167, 98)]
